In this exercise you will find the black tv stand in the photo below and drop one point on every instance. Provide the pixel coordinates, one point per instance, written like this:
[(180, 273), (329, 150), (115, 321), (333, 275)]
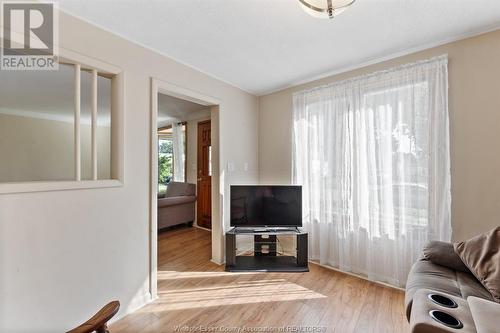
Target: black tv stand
[(265, 256), (266, 230)]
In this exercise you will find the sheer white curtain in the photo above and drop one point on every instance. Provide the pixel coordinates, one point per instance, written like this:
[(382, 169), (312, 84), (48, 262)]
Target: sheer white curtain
[(179, 152), (372, 154)]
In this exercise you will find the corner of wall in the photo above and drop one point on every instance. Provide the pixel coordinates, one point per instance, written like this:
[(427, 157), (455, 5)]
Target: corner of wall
[(259, 139)]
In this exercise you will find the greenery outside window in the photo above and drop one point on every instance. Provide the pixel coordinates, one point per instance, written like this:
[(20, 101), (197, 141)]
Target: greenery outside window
[(166, 168)]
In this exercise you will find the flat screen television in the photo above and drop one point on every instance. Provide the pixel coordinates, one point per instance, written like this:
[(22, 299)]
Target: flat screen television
[(266, 206)]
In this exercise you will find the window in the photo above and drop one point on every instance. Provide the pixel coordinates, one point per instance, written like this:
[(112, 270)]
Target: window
[(168, 170), (36, 125), (372, 155), (60, 129)]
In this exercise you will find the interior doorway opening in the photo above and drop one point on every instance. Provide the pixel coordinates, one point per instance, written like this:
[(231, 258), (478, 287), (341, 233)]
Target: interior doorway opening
[(184, 163), (185, 188)]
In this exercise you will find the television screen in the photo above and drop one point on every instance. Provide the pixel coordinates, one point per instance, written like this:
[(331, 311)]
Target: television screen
[(266, 206)]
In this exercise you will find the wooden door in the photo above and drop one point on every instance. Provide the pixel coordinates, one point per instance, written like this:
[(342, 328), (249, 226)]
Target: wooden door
[(204, 200)]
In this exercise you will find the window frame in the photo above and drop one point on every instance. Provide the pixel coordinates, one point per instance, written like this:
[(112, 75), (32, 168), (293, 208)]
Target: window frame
[(117, 76)]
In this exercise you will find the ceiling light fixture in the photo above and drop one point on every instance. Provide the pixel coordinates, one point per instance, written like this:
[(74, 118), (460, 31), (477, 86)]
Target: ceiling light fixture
[(325, 8)]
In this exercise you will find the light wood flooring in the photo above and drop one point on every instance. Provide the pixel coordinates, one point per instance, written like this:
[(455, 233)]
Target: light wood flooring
[(196, 295)]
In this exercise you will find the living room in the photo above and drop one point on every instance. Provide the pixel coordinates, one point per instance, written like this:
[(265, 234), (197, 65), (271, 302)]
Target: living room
[(379, 119)]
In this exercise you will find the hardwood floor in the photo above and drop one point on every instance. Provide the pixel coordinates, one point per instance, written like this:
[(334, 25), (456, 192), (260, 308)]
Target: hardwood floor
[(197, 294)]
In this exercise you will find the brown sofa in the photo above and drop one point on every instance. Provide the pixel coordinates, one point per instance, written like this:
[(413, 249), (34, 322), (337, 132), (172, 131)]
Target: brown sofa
[(177, 206), (440, 271)]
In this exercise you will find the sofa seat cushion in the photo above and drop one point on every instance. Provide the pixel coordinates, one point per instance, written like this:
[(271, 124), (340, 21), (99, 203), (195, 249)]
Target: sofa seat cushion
[(470, 286), (173, 201), (427, 275)]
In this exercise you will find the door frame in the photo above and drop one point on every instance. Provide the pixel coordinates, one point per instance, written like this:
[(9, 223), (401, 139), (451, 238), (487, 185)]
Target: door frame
[(216, 106)]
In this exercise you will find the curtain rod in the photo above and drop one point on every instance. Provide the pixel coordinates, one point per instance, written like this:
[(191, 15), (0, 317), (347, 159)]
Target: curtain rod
[(443, 57)]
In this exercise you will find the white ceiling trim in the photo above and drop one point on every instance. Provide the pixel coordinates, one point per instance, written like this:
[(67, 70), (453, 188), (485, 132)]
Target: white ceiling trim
[(391, 56)]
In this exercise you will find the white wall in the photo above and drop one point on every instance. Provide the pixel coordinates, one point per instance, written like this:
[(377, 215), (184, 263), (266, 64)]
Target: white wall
[(33, 149), (64, 254)]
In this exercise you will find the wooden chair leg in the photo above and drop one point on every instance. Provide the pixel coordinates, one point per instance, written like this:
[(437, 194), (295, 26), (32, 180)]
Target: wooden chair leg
[(103, 329), (98, 323)]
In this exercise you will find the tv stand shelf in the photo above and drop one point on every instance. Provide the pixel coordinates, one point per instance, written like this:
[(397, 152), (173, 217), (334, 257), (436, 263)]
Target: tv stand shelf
[(265, 257)]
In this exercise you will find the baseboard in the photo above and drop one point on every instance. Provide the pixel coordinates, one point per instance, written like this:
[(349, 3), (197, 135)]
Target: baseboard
[(197, 226), (356, 275), (216, 262)]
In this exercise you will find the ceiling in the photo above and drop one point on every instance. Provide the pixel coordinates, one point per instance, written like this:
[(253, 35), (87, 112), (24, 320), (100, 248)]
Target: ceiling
[(266, 45), (172, 109)]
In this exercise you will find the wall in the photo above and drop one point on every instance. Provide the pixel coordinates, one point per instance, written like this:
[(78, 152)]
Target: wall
[(37, 149), (63, 254), (474, 107)]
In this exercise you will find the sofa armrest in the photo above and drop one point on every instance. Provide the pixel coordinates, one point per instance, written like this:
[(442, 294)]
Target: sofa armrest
[(485, 314), (422, 320)]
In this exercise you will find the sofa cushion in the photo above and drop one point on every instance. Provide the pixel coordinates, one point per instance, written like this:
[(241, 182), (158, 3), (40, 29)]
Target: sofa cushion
[(176, 189), (470, 286), (442, 253), (481, 254), (173, 201)]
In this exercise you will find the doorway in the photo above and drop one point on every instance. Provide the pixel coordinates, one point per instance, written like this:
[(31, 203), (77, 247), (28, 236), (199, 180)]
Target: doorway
[(208, 187)]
